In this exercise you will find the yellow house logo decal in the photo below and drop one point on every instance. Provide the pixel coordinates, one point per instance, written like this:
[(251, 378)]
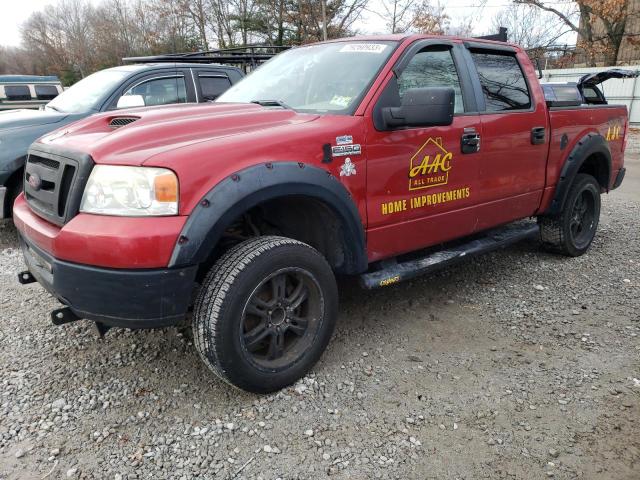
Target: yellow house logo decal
[(430, 165)]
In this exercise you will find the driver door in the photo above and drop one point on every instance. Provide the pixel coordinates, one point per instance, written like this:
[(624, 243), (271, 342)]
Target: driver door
[(422, 181)]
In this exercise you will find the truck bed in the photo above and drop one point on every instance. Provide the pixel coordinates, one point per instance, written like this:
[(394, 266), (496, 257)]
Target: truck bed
[(569, 124)]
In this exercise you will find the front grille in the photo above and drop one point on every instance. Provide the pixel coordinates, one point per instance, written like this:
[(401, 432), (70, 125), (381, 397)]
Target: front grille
[(53, 184), (47, 162)]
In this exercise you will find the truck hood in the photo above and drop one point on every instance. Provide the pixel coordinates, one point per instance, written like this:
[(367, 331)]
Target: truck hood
[(131, 137), (29, 118)]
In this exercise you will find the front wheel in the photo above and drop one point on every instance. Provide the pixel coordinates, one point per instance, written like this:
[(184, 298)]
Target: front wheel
[(572, 231), (265, 313)]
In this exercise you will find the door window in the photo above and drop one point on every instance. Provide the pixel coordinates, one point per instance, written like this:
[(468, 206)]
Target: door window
[(161, 91), (432, 68), (17, 92), (213, 86), (46, 92), (503, 83)]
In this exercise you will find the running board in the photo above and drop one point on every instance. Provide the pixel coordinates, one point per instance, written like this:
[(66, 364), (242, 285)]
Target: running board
[(394, 272)]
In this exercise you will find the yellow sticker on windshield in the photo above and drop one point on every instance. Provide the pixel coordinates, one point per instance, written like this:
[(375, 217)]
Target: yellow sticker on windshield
[(340, 101)]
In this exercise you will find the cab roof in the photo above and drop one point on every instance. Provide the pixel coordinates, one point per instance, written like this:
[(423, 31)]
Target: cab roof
[(401, 37)]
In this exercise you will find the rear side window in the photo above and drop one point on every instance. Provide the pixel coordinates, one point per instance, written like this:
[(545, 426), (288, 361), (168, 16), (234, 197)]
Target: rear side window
[(17, 92), (213, 86), (46, 92), (503, 83)]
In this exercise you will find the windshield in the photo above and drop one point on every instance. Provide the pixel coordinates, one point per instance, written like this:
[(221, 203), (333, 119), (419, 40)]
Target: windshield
[(323, 78), (85, 94)]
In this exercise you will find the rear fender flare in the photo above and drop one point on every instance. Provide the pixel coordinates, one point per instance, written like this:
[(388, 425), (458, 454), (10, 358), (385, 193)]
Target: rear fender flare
[(590, 144), (250, 187)]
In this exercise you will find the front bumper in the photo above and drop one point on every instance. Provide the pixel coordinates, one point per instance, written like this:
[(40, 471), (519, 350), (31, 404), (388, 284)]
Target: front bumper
[(149, 298)]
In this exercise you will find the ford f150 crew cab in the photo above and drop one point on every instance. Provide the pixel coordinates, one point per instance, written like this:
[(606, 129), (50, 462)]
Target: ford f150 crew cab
[(382, 157)]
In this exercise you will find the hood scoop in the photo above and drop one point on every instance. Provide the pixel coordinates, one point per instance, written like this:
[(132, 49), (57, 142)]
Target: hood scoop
[(118, 122)]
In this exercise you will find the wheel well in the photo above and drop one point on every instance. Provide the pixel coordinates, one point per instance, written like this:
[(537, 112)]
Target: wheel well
[(302, 218), (14, 186), (597, 166)]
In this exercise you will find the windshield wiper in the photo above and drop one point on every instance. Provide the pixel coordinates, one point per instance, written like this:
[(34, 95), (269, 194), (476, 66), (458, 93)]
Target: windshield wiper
[(272, 103), (53, 108)]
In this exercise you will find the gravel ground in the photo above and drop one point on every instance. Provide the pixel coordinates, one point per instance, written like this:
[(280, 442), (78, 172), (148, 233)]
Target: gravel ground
[(516, 364)]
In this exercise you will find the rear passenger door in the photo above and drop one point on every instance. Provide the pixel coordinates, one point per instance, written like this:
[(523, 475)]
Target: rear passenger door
[(210, 84), (515, 134)]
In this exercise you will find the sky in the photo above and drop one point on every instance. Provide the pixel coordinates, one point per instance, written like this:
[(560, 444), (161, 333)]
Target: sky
[(15, 12)]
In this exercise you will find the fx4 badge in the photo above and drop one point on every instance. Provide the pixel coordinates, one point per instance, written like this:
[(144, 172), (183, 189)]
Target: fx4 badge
[(430, 165)]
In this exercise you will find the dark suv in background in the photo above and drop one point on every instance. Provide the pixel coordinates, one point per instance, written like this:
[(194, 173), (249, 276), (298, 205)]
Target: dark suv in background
[(119, 87)]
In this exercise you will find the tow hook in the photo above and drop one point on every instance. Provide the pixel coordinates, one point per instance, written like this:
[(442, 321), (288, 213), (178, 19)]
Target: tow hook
[(102, 329), (63, 315), (25, 277)]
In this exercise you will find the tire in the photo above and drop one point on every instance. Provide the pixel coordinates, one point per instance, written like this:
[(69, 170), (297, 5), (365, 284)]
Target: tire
[(572, 231), (265, 313)]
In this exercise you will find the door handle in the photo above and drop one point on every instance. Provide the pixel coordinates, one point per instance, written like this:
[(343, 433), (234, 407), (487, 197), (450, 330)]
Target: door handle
[(537, 135), (470, 141)]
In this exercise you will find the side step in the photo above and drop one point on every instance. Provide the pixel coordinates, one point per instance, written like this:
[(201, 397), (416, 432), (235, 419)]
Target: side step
[(394, 272)]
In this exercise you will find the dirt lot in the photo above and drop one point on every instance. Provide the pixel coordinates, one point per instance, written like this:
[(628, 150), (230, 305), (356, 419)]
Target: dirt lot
[(518, 364)]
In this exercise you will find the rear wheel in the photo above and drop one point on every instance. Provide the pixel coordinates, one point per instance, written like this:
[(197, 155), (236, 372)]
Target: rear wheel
[(573, 230), (265, 313)]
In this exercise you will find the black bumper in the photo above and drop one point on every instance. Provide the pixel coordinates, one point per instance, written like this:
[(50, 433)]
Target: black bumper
[(619, 178), (119, 298)]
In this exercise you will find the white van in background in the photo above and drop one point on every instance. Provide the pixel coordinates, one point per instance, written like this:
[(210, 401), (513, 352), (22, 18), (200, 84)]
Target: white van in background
[(27, 91)]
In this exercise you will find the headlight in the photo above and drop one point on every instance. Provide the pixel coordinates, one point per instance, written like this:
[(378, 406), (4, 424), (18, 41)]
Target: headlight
[(130, 191)]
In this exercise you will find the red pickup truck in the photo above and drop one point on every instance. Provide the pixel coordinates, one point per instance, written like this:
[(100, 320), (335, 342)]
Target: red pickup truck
[(366, 156)]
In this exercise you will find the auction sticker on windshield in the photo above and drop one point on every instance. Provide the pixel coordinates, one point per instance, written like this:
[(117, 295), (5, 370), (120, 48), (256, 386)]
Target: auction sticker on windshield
[(364, 48)]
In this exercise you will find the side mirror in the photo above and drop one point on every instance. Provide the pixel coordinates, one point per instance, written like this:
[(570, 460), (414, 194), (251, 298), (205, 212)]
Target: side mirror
[(422, 107), (130, 101)]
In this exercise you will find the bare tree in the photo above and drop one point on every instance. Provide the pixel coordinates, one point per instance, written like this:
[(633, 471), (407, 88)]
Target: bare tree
[(600, 24), (198, 12), (223, 20), (466, 25), (428, 18), (76, 37), (398, 14), (340, 16), (244, 18), (528, 26), (273, 20)]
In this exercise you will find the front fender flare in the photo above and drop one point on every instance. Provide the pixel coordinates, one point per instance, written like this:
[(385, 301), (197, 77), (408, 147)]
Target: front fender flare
[(248, 188), (590, 144)]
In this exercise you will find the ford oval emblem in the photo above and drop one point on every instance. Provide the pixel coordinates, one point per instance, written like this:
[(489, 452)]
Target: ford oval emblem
[(35, 182)]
